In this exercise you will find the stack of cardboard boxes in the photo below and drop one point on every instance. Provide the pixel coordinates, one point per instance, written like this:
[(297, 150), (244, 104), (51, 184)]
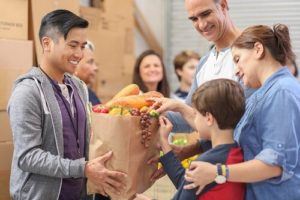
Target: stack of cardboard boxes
[(112, 31), (15, 59)]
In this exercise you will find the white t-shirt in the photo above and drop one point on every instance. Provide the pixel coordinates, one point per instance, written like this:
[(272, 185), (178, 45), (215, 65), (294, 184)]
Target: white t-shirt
[(217, 66)]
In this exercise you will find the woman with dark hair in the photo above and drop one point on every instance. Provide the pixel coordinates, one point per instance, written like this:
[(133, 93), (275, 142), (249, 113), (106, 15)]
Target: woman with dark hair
[(150, 73), (269, 131)]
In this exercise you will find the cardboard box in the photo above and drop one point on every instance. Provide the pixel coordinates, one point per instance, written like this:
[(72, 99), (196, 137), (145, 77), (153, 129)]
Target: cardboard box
[(114, 50), (6, 152), (4, 184), (14, 19), (15, 59), (122, 9), (40, 8), (98, 4), (128, 65), (6, 134)]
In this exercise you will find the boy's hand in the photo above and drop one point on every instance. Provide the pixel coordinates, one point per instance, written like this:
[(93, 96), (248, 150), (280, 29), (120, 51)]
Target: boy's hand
[(164, 131), (165, 128), (199, 175)]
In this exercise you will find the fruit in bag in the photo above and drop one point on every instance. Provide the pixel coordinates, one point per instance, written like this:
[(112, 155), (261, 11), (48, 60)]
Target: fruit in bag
[(135, 101), (129, 90)]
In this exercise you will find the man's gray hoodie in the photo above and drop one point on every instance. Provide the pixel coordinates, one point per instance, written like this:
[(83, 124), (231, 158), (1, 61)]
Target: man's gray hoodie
[(38, 166)]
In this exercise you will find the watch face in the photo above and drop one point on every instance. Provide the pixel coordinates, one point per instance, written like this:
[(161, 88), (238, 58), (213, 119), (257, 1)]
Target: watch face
[(220, 179)]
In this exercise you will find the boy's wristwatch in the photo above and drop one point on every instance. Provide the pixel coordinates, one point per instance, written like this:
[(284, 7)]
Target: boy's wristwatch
[(221, 174)]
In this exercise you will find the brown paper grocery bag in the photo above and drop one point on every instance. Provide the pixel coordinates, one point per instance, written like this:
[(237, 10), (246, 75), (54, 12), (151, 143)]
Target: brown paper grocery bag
[(122, 135)]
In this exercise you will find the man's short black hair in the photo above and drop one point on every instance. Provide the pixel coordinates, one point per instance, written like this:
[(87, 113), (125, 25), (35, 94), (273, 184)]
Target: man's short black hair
[(60, 22)]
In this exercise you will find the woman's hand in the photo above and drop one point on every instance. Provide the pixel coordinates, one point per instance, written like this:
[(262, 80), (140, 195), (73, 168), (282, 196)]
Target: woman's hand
[(199, 175)]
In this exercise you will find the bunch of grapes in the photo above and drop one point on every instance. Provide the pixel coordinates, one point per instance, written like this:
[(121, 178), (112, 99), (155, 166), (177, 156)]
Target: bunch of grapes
[(135, 112), (145, 123)]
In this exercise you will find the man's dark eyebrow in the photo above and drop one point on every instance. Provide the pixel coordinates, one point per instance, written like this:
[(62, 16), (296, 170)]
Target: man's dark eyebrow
[(200, 14), (191, 18), (76, 42)]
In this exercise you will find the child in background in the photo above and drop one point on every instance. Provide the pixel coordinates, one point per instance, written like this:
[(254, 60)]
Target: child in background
[(185, 67)]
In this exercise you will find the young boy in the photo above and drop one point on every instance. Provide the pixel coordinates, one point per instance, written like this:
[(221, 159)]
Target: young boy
[(219, 104)]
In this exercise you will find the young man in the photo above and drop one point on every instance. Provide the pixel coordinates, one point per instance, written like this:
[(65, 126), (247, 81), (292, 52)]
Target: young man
[(49, 120)]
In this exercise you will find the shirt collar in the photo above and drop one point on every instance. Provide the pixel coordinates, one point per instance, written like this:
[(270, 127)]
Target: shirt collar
[(214, 50), (284, 71), (66, 81)]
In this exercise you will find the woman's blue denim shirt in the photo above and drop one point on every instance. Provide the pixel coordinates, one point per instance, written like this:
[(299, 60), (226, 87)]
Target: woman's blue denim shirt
[(269, 131)]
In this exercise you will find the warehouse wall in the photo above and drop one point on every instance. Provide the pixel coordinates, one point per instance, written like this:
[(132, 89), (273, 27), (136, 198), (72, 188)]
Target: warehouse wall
[(154, 14)]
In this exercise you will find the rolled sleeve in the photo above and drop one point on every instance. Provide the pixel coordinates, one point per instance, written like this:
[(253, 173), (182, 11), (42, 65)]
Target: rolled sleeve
[(274, 158), (278, 127)]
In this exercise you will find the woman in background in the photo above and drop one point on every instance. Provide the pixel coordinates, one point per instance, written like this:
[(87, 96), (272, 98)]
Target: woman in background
[(150, 73)]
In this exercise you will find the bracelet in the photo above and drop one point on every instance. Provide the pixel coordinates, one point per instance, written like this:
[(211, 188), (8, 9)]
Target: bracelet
[(219, 169), (225, 171), (223, 167)]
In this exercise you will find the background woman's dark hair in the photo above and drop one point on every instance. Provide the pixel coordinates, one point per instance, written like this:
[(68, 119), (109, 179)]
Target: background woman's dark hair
[(276, 40), (163, 85), (59, 23)]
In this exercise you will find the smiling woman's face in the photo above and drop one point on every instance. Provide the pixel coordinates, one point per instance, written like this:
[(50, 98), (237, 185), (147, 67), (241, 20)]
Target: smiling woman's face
[(246, 66), (151, 69)]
